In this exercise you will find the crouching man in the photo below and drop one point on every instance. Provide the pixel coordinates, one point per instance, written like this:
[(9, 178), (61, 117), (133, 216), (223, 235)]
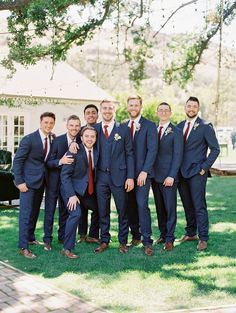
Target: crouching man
[(78, 186)]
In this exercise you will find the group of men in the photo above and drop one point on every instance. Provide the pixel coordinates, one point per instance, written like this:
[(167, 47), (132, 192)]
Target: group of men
[(83, 168)]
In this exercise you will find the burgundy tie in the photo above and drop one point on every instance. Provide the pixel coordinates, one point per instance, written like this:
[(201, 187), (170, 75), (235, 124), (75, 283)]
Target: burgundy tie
[(159, 133), (132, 129), (90, 173), (45, 150), (106, 131), (186, 132)]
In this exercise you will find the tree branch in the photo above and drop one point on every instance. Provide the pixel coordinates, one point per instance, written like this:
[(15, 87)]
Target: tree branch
[(172, 14)]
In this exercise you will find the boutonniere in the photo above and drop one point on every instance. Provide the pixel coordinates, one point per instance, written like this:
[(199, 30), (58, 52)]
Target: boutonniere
[(195, 125), (117, 137), (137, 127), (168, 131)]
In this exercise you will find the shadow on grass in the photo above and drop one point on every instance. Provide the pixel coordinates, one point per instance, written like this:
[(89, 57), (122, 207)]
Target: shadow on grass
[(182, 263)]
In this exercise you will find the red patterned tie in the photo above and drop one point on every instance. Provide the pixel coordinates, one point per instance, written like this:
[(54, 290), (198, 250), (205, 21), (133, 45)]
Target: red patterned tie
[(106, 131), (132, 129), (186, 132), (159, 133), (90, 173), (45, 150)]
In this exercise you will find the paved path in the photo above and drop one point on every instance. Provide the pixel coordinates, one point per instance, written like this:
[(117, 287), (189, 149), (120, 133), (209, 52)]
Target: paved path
[(22, 293)]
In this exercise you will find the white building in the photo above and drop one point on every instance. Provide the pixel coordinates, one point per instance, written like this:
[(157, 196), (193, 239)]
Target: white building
[(42, 87)]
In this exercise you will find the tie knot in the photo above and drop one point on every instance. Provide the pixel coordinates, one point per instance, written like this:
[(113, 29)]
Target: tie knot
[(160, 128), (89, 151), (105, 126)]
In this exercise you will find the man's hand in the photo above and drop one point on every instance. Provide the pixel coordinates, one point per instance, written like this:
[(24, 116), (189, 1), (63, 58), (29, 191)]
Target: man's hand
[(22, 187), (74, 147), (129, 184), (141, 180), (66, 159), (72, 203), (202, 172), (168, 182)]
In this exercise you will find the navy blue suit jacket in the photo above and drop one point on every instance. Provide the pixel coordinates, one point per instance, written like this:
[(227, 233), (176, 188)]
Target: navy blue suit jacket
[(169, 155), (145, 146), (58, 149), (28, 164), (195, 158), (122, 158), (74, 177)]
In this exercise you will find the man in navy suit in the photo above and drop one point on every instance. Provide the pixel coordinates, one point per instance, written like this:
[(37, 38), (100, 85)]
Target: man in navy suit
[(30, 177), (166, 168), (115, 174), (144, 135), (199, 136), (91, 116), (56, 159), (78, 183)]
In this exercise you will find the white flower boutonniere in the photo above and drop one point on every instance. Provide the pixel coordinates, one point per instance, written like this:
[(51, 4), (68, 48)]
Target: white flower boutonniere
[(195, 125), (117, 137), (168, 131), (137, 127)]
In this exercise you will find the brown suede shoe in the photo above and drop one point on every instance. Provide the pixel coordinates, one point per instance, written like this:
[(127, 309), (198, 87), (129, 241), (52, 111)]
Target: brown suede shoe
[(82, 239), (60, 242), (69, 254), (188, 238), (103, 246), (168, 246), (27, 253), (92, 240), (134, 243), (202, 245), (159, 240), (34, 242), (148, 250), (123, 248), (47, 246)]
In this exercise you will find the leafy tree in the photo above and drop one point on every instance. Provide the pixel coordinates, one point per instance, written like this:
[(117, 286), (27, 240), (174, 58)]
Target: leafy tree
[(40, 28)]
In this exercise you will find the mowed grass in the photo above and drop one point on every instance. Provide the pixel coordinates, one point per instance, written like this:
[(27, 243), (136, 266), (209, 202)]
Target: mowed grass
[(183, 278)]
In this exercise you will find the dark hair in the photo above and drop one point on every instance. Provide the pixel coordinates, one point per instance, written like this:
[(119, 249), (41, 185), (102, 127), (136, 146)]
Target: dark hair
[(91, 106), (164, 103), (193, 99), (135, 97), (87, 128), (47, 114), (73, 117)]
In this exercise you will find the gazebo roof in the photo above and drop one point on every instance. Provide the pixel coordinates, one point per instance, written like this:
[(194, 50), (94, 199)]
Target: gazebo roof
[(45, 81)]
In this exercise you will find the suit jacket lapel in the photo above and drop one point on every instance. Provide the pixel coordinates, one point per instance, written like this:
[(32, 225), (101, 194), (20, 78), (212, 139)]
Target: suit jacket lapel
[(112, 134), (38, 138), (193, 132)]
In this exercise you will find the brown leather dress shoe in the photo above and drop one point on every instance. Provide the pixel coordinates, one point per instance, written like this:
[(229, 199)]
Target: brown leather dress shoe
[(188, 238), (47, 246), (103, 246), (92, 240), (159, 240), (202, 245), (134, 243), (123, 248), (34, 242), (82, 239), (168, 246), (148, 250), (69, 254), (27, 253)]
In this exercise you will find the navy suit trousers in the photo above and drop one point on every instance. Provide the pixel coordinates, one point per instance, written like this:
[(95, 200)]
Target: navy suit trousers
[(133, 215), (192, 192), (142, 194), (30, 203), (105, 188), (166, 203)]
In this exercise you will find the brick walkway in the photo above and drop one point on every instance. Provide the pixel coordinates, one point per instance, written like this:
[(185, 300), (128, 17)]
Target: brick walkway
[(21, 293)]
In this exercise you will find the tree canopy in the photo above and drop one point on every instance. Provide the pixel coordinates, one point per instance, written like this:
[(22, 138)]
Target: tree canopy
[(44, 28)]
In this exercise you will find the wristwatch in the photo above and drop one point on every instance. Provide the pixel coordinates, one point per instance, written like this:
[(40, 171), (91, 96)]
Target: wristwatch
[(202, 172)]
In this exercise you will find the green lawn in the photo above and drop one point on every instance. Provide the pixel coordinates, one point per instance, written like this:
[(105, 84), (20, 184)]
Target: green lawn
[(183, 278)]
